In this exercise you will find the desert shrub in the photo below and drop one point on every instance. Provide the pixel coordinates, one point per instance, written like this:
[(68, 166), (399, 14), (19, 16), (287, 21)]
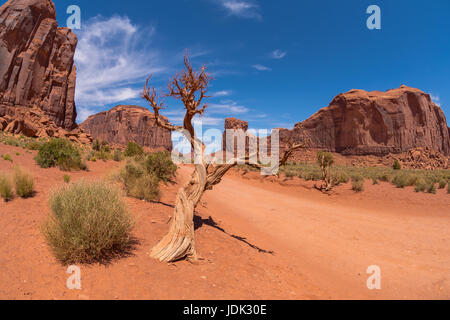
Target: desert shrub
[(103, 155), (420, 185), (325, 161), (138, 183), (89, 223), (133, 149), (61, 153), (117, 155), (66, 178), (358, 183), (7, 157), (375, 181), (442, 183), (385, 177), (23, 183), (397, 165), (431, 188), (96, 145), (160, 164), (448, 188), (6, 191), (94, 159), (33, 145), (340, 178)]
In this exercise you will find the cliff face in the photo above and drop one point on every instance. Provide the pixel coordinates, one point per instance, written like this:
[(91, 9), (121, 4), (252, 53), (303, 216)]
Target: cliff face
[(377, 123), (36, 68), (128, 123), (372, 123)]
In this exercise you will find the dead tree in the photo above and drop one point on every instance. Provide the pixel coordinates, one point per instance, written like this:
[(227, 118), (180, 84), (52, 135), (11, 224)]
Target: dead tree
[(191, 88)]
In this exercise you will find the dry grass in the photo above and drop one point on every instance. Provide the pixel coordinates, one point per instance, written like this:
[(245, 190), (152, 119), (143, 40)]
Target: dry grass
[(23, 183), (89, 223), (6, 191)]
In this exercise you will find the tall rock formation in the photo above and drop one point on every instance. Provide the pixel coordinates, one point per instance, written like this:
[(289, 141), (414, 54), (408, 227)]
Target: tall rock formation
[(36, 62), (377, 123), (122, 124), (372, 123)]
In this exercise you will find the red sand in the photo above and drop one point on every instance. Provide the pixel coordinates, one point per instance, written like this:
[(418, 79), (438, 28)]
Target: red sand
[(322, 244)]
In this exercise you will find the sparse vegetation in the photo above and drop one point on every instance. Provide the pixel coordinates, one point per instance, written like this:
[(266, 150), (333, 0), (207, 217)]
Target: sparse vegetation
[(66, 178), (89, 223), (24, 183), (138, 182), (117, 155), (61, 153), (160, 164), (7, 157), (325, 161), (401, 179), (397, 165), (358, 183), (133, 149), (6, 191)]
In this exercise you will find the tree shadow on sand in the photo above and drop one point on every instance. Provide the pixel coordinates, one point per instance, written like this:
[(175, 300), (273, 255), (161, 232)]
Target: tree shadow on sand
[(199, 222)]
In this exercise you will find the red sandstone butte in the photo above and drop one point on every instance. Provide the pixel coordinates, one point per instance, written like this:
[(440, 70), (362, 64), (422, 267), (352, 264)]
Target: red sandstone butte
[(122, 124), (37, 68)]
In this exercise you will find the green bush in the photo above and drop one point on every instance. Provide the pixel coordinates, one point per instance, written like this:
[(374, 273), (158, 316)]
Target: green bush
[(7, 157), (6, 191), (160, 164), (89, 223), (139, 183), (358, 183), (117, 155), (66, 178), (397, 165), (448, 188), (61, 153), (442, 184), (24, 183), (133, 149), (420, 185), (431, 188)]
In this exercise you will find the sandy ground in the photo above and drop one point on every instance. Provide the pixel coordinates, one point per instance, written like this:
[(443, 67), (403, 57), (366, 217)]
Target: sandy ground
[(259, 238)]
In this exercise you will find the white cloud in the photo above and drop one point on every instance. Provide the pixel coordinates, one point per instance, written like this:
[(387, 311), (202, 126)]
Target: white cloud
[(278, 54), (436, 100), (226, 107), (109, 64), (242, 8), (260, 67), (84, 113), (222, 93)]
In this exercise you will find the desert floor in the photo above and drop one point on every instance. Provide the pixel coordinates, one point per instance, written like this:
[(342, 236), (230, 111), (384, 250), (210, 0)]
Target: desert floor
[(259, 239)]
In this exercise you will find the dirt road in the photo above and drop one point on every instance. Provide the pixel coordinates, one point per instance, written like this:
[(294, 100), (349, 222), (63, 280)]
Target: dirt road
[(259, 239)]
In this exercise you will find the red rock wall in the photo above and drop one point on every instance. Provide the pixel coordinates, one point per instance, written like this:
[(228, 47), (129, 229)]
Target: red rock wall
[(36, 68), (122, 124)]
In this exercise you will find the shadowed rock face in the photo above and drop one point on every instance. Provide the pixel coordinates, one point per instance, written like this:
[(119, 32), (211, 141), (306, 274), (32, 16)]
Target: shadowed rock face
[(372, 123), (36, 61), (123, 124), (377, 123)]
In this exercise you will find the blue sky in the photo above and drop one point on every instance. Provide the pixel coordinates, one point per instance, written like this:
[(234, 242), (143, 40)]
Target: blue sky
[(275, 62)]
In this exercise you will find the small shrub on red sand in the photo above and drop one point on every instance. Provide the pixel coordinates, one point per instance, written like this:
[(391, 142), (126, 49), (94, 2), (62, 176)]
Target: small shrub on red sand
[(89, 223)]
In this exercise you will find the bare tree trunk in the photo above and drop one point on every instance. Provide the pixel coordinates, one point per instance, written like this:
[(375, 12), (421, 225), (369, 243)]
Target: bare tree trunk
[(179, 243)]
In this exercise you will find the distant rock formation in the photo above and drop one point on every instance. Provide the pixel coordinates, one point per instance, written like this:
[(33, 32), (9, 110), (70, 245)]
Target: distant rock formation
[(36, 62), (372, 123), (377, 123), (122, 124)]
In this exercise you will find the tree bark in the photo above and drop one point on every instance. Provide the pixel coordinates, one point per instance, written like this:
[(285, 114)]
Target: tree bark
[(179, 243)]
